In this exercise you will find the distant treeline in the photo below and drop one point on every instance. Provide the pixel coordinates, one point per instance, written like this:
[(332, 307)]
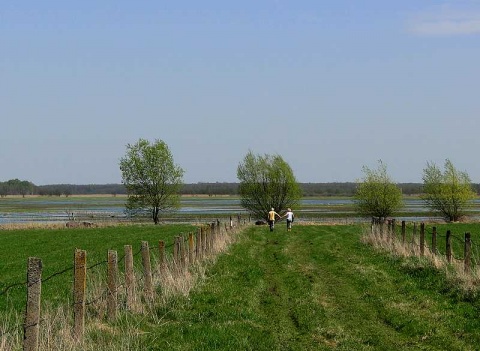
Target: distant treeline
[(19, 187)]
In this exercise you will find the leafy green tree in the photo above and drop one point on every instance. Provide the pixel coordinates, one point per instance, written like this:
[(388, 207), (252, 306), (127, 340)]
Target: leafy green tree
[(448, 193), (376, 194), (265, 182), (151, 177)]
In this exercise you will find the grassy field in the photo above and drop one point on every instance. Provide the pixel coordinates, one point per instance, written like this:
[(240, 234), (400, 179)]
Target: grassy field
[(315, 288), (56, 248)]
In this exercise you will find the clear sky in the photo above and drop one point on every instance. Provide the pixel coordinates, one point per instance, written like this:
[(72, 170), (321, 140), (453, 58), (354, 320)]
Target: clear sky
[(331, 86)]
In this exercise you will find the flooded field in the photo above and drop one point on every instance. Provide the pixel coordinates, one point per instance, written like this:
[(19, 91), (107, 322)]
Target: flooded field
[(192, 208)]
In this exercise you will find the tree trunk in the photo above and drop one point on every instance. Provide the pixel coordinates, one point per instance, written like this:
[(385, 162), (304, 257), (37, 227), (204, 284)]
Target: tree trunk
[(155, 215)]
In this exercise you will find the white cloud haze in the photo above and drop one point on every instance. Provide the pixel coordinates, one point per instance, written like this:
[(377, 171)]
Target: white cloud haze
[(447, 20)]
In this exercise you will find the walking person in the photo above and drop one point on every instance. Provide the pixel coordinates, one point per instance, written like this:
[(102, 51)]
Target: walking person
[(271, 218), (290, 217)]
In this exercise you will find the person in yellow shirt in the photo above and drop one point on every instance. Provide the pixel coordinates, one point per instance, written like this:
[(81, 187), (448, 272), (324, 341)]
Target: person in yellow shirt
[(271, 218)]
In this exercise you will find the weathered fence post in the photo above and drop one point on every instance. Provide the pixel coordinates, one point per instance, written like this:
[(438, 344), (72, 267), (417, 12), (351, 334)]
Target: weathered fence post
[(414, 232), (468, 253), (190, 248), (434, 240), (422, 239), (183, 252), (31, 327), (213, 231), (198, 244), (112, 274), (147, 271), (129, 277), (79, 287), (404, 231), (204, 241), (161, 255), (448, 247)]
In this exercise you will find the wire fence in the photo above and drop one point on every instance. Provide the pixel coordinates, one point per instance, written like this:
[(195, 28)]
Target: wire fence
[(421, 239), (185, 251)]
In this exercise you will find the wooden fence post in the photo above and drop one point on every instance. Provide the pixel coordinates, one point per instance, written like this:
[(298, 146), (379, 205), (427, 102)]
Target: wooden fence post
[(422, 239), (129, 277), (204, 241), (190, 248), (198, 245), (448, 247), (414, 232), (183, 252), (434, 240), (161, 255), (213, 231), (206, 229), (31, 327), (468, 253), (79, 287), (147, 271), (112, 274), (404, 231)]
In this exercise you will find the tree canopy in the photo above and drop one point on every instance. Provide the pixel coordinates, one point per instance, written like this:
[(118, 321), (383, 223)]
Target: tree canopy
[(266, 181), (377, 195), (448, 193), (151, 178)]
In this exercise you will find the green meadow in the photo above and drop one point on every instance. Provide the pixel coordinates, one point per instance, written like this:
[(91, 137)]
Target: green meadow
[(315, 288), (56, 248)]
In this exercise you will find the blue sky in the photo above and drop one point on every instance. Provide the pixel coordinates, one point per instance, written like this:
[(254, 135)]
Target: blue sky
[(331, 86)]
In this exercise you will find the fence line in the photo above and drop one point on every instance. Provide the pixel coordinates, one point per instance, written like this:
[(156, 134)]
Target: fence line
[(387, 231), (187, 251)]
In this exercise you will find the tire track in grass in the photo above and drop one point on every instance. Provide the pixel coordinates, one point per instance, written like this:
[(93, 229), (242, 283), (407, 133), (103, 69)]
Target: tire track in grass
[(316, 288), (286, 301)]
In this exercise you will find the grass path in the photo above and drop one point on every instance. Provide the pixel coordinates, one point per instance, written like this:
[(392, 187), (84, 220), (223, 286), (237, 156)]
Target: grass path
[(316, 288)]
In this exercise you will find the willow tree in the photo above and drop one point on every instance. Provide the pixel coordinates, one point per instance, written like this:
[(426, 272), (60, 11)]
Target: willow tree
[(267, 181), (151, 178), (376, 194), (448, 193)]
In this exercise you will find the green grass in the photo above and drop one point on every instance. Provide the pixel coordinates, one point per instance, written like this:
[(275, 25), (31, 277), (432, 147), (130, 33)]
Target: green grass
[(457, 230), (317, 288), (56, 248)]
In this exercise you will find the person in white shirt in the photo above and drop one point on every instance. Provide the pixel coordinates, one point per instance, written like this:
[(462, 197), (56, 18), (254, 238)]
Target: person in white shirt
[(290, 218)]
